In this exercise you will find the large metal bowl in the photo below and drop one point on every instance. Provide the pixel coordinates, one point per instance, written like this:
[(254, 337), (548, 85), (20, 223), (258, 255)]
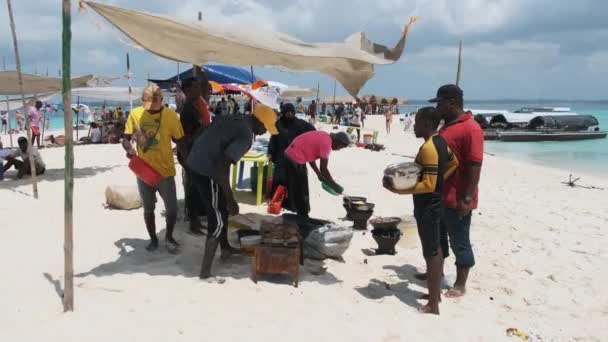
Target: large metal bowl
[(349, 199), (362, 207), (385, 222)]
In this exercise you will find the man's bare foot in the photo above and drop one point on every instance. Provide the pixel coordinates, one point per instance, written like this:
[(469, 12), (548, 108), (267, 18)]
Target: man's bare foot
[(152, 246), (427, 309), (426, 297), (455, 292)]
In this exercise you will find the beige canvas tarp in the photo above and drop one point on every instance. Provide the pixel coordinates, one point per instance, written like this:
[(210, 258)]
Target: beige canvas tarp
[(350, 62), (32, 84), (16, 103)]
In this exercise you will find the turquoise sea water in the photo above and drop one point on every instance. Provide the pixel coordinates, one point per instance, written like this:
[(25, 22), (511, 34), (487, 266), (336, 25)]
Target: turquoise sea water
[(586, 157), (583, 157)]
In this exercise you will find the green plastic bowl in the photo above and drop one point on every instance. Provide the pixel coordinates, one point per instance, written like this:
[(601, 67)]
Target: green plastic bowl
[(329, 189)]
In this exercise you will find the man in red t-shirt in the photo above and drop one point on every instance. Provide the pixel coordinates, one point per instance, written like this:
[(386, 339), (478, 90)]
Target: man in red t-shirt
[(465, 137)]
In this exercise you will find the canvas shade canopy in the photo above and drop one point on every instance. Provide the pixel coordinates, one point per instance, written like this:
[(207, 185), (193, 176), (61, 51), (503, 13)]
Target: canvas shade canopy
[(17, 103), (350, 62), (32, 84), (220, 74), (115, 94)]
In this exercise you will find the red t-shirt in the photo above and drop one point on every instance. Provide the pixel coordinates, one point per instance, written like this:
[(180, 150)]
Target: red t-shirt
[(465, 138), (203, 110)]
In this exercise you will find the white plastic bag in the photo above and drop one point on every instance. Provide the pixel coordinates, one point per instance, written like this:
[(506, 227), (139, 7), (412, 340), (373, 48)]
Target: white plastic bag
[(123, 197), (328, 241)]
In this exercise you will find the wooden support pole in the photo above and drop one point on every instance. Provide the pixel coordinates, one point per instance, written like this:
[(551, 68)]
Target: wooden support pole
[(459, 63), (27, 117), (8, 109), (68, 245)]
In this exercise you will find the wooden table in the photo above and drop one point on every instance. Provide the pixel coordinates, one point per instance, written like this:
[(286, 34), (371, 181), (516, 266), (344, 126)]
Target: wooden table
[(260, 158)]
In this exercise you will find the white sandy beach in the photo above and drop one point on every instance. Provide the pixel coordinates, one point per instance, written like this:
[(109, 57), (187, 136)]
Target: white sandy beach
[(540, 250)]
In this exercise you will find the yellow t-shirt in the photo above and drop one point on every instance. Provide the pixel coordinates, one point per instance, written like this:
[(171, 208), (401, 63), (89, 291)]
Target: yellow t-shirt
[(153, 134), (428, 158)]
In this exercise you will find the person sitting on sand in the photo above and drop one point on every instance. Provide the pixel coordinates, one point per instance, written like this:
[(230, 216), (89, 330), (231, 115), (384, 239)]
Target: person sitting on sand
[(220, 145), (153, 127), (310, 146), (23, 166), (95, 134), (56, 140), (438, 163)]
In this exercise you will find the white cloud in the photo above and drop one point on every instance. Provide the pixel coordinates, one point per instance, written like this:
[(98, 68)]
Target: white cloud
[(99, 57), (546, 42), (598, 62)]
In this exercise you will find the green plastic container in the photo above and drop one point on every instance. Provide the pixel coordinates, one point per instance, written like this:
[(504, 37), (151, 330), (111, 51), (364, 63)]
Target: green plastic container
[(329, 189)]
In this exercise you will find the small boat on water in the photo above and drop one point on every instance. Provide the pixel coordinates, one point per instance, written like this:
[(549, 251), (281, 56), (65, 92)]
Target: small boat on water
[(548, 135), (538, 124)]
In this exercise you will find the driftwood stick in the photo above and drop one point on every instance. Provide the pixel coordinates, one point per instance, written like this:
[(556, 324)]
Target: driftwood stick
[(572, 183)]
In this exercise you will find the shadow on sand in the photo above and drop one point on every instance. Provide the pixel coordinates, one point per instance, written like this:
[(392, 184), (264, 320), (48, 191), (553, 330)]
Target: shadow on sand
[(133, 258), (378, 289), (51, 175)]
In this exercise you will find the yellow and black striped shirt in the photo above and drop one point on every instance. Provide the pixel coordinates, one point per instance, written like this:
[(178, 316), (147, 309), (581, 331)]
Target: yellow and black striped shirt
[(428, 157)]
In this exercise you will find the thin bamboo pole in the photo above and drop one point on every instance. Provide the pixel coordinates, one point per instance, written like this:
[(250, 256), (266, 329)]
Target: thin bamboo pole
[(8, 116), (129, 80), (335, 83), (30, 147), (459, 63), (68, 245), (43, 125), (8, 109)]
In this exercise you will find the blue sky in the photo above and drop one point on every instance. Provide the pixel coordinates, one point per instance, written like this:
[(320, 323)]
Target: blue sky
[(525, 49)]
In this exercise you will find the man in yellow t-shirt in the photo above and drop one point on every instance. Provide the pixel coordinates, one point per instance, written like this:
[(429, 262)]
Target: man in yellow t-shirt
[(153, 127)]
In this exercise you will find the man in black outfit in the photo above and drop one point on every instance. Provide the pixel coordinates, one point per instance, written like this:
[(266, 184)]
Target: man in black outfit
[(194, 118), (223, 143)]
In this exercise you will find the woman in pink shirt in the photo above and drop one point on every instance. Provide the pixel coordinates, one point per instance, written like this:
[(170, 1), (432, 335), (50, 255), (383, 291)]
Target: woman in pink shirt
[(310, 146)]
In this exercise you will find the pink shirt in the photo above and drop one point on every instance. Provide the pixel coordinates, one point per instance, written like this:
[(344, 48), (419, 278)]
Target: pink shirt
[(35, 117), (309, 147)]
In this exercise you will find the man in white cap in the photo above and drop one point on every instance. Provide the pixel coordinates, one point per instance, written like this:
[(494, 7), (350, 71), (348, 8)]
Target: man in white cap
[(153, 127)]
